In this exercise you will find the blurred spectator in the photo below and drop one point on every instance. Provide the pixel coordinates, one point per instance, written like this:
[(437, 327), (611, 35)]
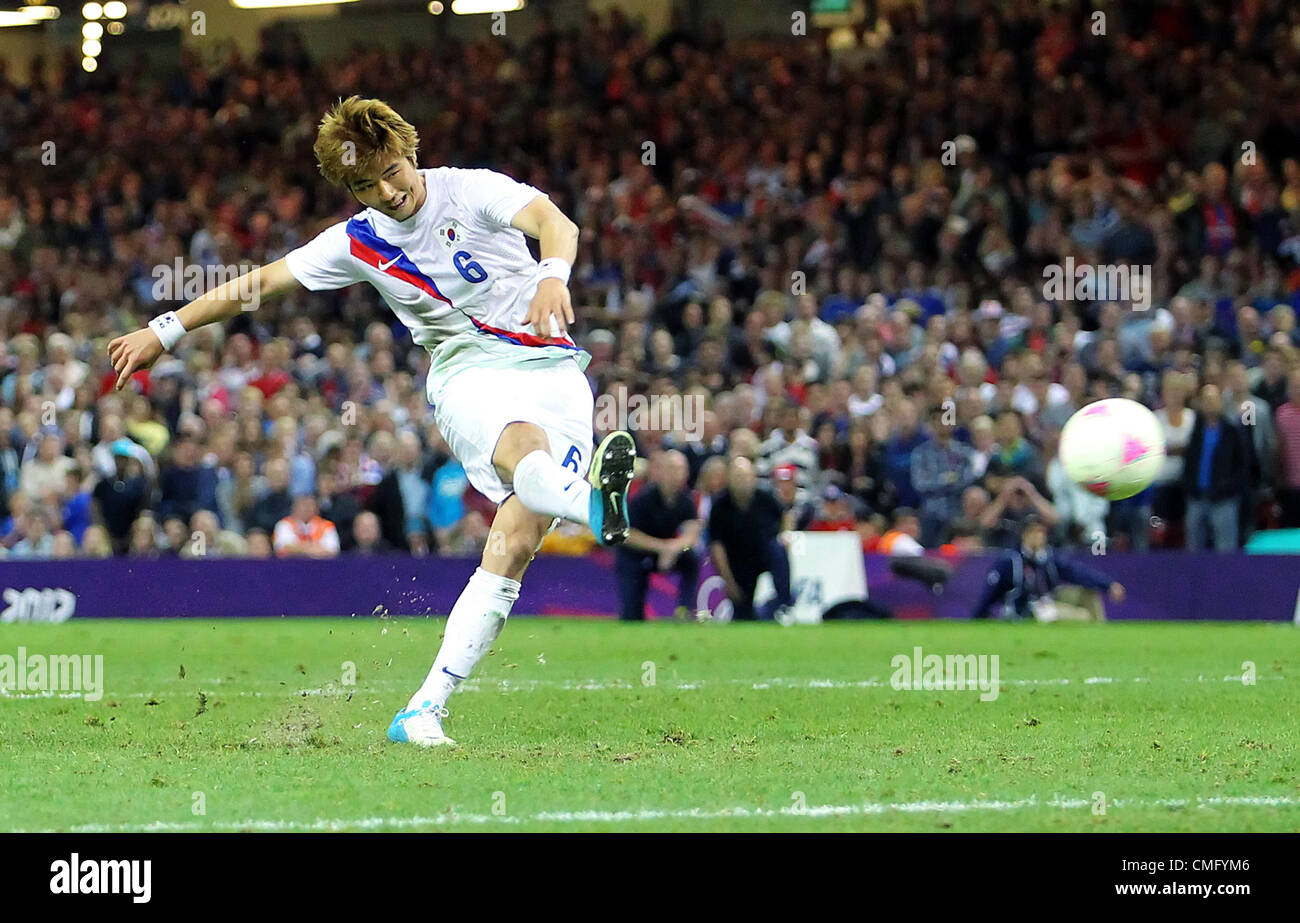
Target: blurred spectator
[(37, 540), (401, 495), (209, 540), (941, 471), (64, 546), (368, 540), (112, 443), (711, 443), (1216, 472), (863, 468), (744, 528), (1130, 521), (274, 503), (144, 427), (44, 475), (1255, 418), (711, 481), (1288, 434), (186, 485), (469, 536), (974, 501), (341, 508), (663, 537), (1169, 501), (838, 512), (983, 444), (796, 514), (1272, 382), (120, 498), (144, 537), (1080, 514), (789, 445), (906, 437), (304, 533), (447, 500), (903, 537), (259, 544), (177, 538), (96, 543), (75, 503)]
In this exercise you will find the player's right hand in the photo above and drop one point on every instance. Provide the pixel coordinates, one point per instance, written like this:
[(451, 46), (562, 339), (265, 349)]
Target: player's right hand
[(551, 311), (133, 352)]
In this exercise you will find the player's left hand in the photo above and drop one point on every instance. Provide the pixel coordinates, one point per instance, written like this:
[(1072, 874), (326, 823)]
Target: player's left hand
[(551, 301), (1117, 592)]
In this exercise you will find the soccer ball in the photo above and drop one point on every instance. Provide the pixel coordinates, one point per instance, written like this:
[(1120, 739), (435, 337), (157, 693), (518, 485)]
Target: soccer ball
[(1113, 448)]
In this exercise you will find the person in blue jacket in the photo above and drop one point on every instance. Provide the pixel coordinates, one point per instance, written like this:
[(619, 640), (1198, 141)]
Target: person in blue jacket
[(1032, 581)]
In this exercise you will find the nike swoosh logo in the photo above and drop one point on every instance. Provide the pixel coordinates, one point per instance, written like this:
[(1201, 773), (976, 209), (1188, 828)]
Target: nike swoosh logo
[(568, 485), (383, 267)]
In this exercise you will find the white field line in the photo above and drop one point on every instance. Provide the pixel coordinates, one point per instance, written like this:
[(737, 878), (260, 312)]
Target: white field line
[(868, 809), (593, 685)]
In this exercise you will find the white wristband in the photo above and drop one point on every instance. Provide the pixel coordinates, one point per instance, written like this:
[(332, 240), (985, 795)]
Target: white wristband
[(169, 329), (554, 268)]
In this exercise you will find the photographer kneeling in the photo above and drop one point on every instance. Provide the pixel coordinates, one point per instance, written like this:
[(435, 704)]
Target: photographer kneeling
[(1032, 581)]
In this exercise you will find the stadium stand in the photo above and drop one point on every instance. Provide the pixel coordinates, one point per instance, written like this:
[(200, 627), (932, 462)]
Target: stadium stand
[(818, 261)]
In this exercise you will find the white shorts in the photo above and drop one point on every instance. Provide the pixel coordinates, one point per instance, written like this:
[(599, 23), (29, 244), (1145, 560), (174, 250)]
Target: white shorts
[(475, 406)]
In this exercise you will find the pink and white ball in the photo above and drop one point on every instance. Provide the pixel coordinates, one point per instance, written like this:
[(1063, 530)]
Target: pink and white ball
[(1113, 448)]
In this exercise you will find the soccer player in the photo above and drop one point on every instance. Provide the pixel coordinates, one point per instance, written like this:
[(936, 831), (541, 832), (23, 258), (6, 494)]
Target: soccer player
[(445, 249)]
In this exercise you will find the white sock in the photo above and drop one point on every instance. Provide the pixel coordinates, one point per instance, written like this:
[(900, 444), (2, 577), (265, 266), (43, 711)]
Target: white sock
[(475, 622), (547, 487)]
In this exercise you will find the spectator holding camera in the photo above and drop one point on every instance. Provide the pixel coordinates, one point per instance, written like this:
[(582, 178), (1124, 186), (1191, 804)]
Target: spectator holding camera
[(1017, 500), (1014, 457), (1033, 581)]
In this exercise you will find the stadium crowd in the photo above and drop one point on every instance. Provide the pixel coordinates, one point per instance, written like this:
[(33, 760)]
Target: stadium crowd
[(833, 247)]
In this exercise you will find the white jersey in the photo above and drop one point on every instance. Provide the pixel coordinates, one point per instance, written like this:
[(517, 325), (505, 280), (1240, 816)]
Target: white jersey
[(455, 273)]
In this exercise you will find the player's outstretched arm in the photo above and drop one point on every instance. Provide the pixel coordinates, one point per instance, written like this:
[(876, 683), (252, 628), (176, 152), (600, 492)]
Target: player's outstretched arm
[(141, 348), (551, 311)]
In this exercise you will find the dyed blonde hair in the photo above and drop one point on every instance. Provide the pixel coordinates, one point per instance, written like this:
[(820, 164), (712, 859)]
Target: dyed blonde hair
[(356, 138)]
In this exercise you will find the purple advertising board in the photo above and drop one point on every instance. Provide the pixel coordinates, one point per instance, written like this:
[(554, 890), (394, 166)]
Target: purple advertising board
[(1166, 586)]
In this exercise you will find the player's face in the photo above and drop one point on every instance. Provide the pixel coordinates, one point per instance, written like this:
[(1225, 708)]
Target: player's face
[(397, 189)]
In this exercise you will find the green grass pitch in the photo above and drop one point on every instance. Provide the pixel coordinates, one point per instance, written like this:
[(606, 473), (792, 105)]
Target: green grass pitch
[(591, 725)]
